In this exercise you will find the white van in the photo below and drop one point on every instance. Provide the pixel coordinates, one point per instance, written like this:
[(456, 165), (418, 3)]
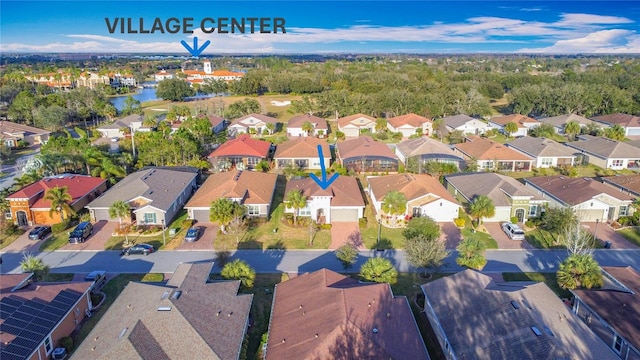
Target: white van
[(513, 231)]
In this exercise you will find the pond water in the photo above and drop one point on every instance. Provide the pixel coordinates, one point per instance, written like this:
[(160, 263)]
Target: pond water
[(149, 94)]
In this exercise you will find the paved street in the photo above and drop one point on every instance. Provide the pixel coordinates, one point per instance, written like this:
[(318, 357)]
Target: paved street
[(295, 261)]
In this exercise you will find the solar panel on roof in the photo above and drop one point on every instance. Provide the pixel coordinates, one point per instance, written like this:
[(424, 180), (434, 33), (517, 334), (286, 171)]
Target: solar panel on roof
[(35, 305), (23, 316), (47, 315), (32, 336), (16, 322), (59, 312), (24, 342), (7, 301), (36, 328), (20, 351), (4, 314), (10, 329)]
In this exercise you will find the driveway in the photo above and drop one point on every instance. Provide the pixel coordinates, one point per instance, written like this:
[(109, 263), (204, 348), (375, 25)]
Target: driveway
[(450, 235), (23, 244), (102, 231), (208, 232), (343, 232), (494, 229), (606, 233)]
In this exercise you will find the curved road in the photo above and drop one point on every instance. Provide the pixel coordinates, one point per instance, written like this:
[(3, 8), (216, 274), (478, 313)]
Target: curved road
[(295, 261)]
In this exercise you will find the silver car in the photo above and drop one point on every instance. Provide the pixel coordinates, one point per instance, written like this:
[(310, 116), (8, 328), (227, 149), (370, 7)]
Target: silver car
[(513, 231)]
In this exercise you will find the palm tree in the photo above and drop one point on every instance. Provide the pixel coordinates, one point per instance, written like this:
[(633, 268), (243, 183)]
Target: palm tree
[(121, 210), (510, 128), (394, 203), (579, 270), (296, 201), (270, 127), (307, 127), (572, 128), (381, 125), (59, 197), (223, 211), (482, 207), (34, 265), (379, 270)]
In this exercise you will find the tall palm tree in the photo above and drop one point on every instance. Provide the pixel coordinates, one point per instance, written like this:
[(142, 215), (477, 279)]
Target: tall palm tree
[(59, 197), (394, 203), (296, 201), (307, 127), (482, 207), (572, 128), (223, 211), (121, 210), (579, 270)]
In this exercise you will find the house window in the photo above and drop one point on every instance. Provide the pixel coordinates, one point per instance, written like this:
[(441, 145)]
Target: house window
[(624, 210), (617, 343), (149, 218), (253, 210), (252, 161), (306, 211), (546, 162), (533, 210), (7, 214), (47, 345), (617, 163)]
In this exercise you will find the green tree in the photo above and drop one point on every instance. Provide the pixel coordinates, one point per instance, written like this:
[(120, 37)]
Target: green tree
[(347, 254), (571, 129), (615, 132), (425, 251), (263, 166), (381, 125), (379, 270), (307, 127), (21, 109), (558, 219), (271, 127), (394, 203), (295, 200), (121, 210), (239, 270), (422, 226), (59, 198), (223, 211), (174, 90), (471, 254), (131, 106), (32, 264), (510, 128), (579, 271), (481, 207)]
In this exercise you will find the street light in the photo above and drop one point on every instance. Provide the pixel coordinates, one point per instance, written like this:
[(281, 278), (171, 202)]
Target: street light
[(595, 232), (379, 230), (164, 236), (133, 143)]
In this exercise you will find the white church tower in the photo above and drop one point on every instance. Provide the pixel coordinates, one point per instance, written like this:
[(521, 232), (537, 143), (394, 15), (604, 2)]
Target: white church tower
[(207, 67)]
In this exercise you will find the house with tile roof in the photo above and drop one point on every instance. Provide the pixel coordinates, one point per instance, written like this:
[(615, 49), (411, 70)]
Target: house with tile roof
[(425, 149), (320, 126), (340, 202), (189, 316), (424, 193), (510, 197), (253, 123), (254, 190), (589, 198), (475, 317), (207, 73), (218, 124), (558, 122), (155, 194), (627, 183), (28, 205), (410, 124), (353, 125), (523, 122), (607, 153), (115, 129), (630, 123), (36, 315), (326, 315), (242, 152), (494, 156), (545, 152), (612, 311), (162, 75), (302, 152), (11, 133), (466, 124), (364, 154)]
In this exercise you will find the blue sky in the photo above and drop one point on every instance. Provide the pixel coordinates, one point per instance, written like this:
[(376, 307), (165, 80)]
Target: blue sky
[(553, 27)]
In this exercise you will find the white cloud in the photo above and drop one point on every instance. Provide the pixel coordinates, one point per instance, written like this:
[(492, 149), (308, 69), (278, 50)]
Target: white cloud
[(604, 41), (590, 19)]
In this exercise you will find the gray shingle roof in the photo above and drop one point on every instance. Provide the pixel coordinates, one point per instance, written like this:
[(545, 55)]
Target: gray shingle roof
[(160, 185), (559, 121), (123, 123), (605, 148), (497, 187), (539, 147), (457, 120)]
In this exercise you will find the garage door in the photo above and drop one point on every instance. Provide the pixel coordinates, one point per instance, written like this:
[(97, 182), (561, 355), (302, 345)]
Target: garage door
[(633, 131), (344, 215), (201, 215)]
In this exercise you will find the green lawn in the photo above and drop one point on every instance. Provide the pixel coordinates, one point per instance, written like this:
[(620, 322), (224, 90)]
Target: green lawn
[(542, 239), (6, 240), (631, 234), (157, 240), (55, 241), (389, 238), (484, 238), (547, 278)]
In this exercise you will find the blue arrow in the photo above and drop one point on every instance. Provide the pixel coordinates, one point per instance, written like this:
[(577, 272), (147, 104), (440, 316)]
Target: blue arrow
[(195, 51), (324, 183)]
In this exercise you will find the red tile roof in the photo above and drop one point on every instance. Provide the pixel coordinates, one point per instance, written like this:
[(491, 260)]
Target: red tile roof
[(408, 119), (484, 149), (243, 146), (78, 187), (363, 146)]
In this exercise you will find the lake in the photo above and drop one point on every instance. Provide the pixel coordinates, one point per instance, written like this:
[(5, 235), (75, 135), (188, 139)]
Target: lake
[(149, 94)]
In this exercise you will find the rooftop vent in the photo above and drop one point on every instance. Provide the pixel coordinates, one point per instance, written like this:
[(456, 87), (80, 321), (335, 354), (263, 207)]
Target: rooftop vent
[(375, 330), (124, 331), (164, 295), (176, 295), (515, 304), (536, 331), (164, 308), (548, 331)]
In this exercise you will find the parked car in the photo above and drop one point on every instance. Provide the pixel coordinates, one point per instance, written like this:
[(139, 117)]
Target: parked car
[(99, 278), (81, 232), (144, 249), (513, 231), (192, 234), (39, 232)]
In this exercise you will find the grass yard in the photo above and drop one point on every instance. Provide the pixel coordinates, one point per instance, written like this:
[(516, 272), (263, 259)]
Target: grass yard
[(112, 289), (6, 240), (389, 238), (117, 242), (55, 241), (482, 237), (632, 234), (542, 239), (547, 278)]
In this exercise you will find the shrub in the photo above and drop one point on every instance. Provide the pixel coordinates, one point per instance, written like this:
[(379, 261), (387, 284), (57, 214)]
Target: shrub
[(460, 222), (187, 223), (397, 136), (362, 222), (530, 224), (325, 226), (68, 223), (514, 220), (382, 136), (67, 343)]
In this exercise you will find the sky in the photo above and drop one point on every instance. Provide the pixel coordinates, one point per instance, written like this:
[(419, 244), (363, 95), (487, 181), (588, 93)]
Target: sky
[(324, 27)]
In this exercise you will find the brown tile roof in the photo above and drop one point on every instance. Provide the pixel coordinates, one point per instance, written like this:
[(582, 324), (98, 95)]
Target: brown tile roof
[(629, 183), (254, 187), (499, 188), (325, 315), (412, 186), (214, 120), (78, 187), (574, 191), (484, 149), (344, 190), (620, 308), (344, 121), (408, 119), (8, 127), (605, 148), (302, 147), (243, 146), (297, 121), (263, 118), (208, 320), (425, 145), (480, 322), (363, 146), (520, 120), (624, 120)]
